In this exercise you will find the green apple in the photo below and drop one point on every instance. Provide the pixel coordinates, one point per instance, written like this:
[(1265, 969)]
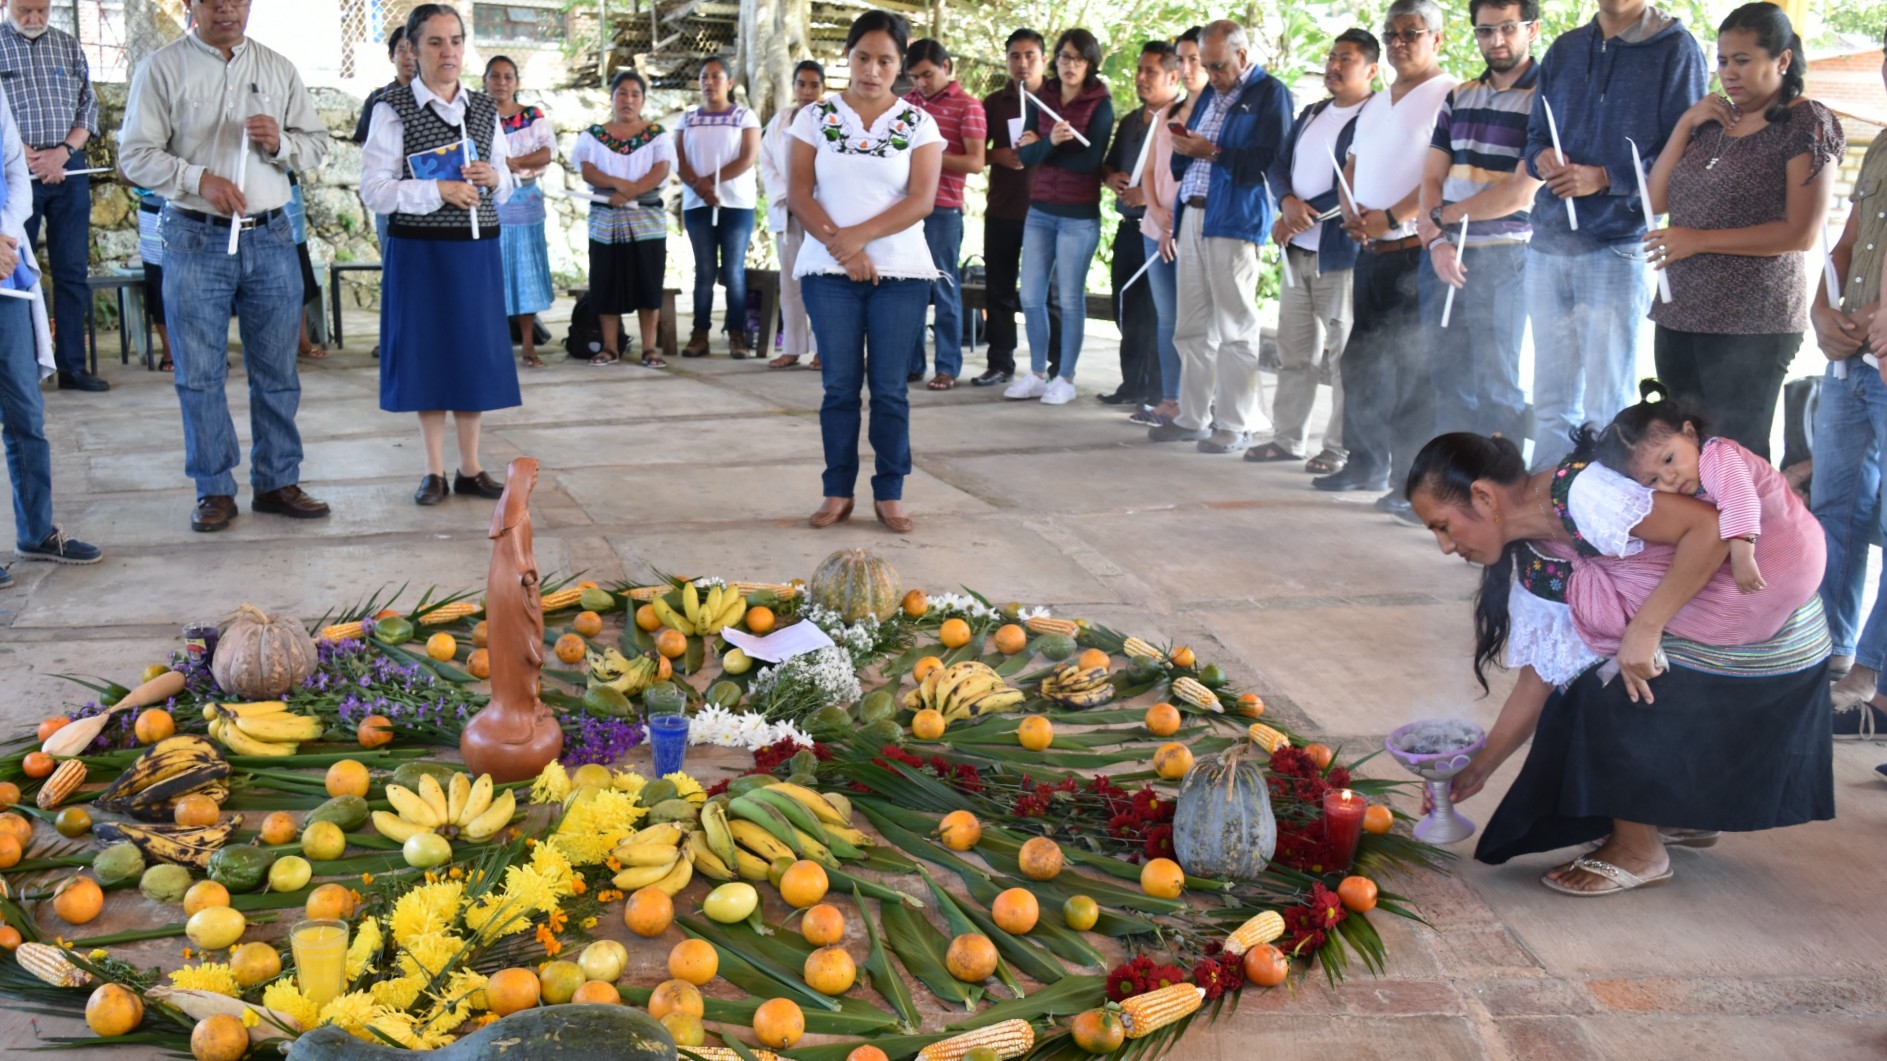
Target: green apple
[(426, 850), (290, 873), (603, 960), (736, 662)]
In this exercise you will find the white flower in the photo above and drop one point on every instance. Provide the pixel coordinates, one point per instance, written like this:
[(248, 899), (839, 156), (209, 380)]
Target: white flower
[(709, 582), (1025, 614)]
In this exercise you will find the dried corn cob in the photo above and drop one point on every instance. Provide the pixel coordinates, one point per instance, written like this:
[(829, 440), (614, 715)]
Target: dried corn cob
[(1138, 649), (1261, 929), (563, 598), (645, 594), (722, 1053), (1197, 695), (63, 782), (1267, 738), (1042, 624), (50, 965), (1145, 1014), (1010, 1038), (353, 631), (447, 613), (782, 590)]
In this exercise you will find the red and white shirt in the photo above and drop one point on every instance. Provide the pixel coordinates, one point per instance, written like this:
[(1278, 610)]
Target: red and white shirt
[(960, 118)]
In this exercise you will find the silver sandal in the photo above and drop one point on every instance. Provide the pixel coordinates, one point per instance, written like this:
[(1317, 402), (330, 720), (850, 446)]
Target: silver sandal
[(1623, 880)]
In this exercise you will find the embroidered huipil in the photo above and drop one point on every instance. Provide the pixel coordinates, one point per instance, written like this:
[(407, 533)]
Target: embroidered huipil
[(526, 131), (861, 172), (629, 160)]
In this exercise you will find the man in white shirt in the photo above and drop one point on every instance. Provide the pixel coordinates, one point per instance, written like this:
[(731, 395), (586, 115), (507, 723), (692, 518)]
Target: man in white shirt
[(1388, 400), (213, 123)]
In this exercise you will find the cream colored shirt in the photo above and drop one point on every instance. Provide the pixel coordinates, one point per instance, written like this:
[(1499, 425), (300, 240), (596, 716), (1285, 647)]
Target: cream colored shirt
[(185, 113)]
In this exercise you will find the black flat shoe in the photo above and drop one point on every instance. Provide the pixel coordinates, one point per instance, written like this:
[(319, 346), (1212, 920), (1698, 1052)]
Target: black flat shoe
[(481, 484), (992, 378), (432, 490), (1118, 398), (1352, 478)]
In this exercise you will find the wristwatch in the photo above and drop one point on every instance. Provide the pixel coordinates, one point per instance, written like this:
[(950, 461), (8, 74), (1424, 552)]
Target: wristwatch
[(1391, 216), (1435, 216)]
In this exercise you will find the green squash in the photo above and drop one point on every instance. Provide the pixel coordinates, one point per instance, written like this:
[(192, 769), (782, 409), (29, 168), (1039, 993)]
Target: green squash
[(857, 584), (1223, 825), (348, 812), (409, 773), (571, 1032), (241, 869), (746, 783), (1055, 647)]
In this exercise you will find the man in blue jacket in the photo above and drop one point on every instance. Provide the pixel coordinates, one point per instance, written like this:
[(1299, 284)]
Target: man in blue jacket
[(1630, 72), (1233, 136)]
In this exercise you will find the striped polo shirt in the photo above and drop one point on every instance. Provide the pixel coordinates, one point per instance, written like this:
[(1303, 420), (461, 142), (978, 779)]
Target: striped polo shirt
[(960, 119), (1483, 129)]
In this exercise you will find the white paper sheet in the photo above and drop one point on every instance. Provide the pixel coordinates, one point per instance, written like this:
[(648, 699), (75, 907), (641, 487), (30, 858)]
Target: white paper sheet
[(782, 644)]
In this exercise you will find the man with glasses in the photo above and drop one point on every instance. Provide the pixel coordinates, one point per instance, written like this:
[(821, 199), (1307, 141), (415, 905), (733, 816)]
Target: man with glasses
[(1388, 400), (1473, 176), (1234, 134), (213, 123), (1629, 73), (1011, 184)]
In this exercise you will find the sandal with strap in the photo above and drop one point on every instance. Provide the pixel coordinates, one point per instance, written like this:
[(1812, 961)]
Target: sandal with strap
[(653, 361), (1268, 452), (605, 358), (533, 361), (1623, 880), (784, 361), (942, 381), (1325, 463)]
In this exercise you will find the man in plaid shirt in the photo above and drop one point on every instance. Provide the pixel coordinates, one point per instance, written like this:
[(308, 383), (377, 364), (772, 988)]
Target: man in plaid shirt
[(49, 87)]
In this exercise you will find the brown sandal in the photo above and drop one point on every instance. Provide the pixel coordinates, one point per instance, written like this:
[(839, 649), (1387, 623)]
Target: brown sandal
[(784, 361), (942, 381), (1325, 463)]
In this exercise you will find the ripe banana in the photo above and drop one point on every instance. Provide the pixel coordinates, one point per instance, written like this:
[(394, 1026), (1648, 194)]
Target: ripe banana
[(413, 808), (644, 854), (716, 834), (435, 798), (168, 770), (457, 792), (177, 844), (1071, 686), (763, 845), (748, 866), (707, 863), (795, 813), (671, 618), (396, 828), (636, 877), (493, 818), (850, 836), (279, 727), (242, 744), (813, 801), (477, 801), (260, 707), (677, 878), (729, 609), (627, 676), (811, 848), (691, 603), (668, 833)]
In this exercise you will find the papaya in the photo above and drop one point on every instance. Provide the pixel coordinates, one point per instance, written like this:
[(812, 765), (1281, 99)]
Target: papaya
[(877, 707), (605, 702), (409, 773), (241, 869), (673, 810), (1055, 647), (746, 783), (657, 791), (348, 812), (393, 631), (570, 1032)]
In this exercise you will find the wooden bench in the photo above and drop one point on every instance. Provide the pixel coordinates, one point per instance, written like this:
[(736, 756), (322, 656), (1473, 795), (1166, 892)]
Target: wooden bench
[(664, 321), (335, 269)]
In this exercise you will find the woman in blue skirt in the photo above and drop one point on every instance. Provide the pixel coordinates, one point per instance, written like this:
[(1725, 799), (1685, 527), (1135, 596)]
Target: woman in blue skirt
[(444, 346), (530, 143)]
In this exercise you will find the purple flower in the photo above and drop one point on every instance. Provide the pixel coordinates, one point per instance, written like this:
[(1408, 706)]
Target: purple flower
[(601, 740)]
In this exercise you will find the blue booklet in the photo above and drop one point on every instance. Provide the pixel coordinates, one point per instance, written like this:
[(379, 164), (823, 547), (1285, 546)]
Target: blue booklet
[(442, 163), (24, 276)]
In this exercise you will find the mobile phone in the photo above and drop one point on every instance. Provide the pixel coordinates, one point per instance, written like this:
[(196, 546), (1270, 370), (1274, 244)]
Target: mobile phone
[(1177, 129)]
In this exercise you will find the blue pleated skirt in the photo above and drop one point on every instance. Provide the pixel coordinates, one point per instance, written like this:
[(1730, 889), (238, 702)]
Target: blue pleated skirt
[(526, 256), (444, 341)]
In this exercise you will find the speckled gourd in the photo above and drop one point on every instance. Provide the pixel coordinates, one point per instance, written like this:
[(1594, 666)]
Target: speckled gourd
[(1222, 825), (259, 658), (856, 583)]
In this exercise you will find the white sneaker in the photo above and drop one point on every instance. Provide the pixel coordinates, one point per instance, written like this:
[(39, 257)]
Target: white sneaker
[(1058, 392), (1028, 385)]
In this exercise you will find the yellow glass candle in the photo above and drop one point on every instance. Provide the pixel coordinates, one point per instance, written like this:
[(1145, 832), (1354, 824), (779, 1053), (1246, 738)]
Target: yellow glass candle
[(320, 948)]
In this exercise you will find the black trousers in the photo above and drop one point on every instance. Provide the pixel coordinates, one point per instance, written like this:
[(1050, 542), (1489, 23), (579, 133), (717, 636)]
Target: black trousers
[(1139, 323), (1733, 380), (1388, 396), (1002, 258)]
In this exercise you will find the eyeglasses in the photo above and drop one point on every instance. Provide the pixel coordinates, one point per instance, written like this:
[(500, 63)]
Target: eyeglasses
[(1407, 36), (1071, 59), (1218, 66), (1505, 29)]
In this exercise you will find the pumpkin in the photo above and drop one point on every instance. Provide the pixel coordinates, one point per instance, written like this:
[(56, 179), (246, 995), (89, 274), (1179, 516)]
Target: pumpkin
[(1222, 825), (856, 583), (570, 1032), (259, 658)]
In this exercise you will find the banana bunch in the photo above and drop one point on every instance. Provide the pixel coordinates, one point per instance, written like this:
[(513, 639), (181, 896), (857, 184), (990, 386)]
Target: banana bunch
[(1071, 686), (962, 690), (659, 857), (182, 845), (267, 727), (716, 853), (723, 607), (461, 808), (167, 771), (627, 676), (793, 822)]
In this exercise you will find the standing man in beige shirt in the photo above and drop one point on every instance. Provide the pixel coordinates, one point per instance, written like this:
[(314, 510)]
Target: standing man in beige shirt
[(213, 123)]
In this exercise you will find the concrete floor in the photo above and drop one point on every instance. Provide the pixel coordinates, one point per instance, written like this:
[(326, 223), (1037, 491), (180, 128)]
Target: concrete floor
[(1768, 946)]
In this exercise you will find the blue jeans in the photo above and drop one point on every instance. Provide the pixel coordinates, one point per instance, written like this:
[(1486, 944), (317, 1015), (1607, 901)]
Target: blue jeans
[(943, 230), (380, 231), (261, 284), (23, 424), (1063, 246), (1476, 361), (66, 208), (1850, 434), (1586, 309), (720, 254), (865, 332), (1163, 280)]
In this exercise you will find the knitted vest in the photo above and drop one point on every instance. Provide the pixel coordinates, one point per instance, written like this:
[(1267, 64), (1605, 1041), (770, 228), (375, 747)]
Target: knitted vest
[(424, 130)]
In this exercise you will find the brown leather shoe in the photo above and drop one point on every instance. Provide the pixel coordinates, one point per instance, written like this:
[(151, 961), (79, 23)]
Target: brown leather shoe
[(894, 524), (697, 344), (291, 502), (826, 517), (737, 346), (213, 513)]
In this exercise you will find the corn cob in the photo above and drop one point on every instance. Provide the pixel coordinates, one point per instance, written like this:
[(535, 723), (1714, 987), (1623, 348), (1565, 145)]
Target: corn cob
[(722, 1053), (563, 598), (50, 965), (448, 613), (1261, 929), (1145, 1014), (343, 632), (646, 594), (1267, 738), (1197, 695), (1042, 624), (1010, 1038), (1138, 649), (782, 590), (63, 782)]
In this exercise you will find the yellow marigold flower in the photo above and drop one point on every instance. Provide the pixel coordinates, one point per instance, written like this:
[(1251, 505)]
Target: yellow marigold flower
[(495, 916), (629, 781), (590, 830), (285, 998), (687, 788), (456, 872), (429, 955), (577, 887), (249, 1018), (431, 877), (427, 909), (588, 923), (352, 1013), (557, 920), (552, 946), (395, 1026), (483, 1019), (398, 993), (552, 784), (98, 955), (612, 865), (188, 954), (210, 976), (361, 950), (366, 878)]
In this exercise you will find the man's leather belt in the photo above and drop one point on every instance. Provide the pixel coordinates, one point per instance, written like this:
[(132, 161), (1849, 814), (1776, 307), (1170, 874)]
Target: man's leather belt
[(252, 221), (1391, 246), (1196, 201)]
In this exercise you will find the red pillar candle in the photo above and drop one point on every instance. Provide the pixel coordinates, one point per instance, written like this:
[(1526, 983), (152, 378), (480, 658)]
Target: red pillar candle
[(1343, 823)]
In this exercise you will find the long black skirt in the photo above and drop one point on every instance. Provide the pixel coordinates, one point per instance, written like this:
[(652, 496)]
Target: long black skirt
[(1713, 752)]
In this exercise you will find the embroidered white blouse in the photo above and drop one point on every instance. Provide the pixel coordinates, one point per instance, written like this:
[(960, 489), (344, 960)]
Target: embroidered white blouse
[(860, 173)]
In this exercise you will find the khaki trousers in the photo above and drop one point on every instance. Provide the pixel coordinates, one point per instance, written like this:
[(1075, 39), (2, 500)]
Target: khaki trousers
[(1313, 326), (1216, 332), (797, 330)]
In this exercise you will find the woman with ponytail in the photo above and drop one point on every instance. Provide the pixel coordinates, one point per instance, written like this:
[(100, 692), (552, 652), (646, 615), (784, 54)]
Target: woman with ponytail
[(1704, 732), (1746, 178)]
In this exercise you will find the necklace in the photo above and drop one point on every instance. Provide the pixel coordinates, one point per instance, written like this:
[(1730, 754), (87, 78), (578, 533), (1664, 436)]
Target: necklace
[(1723, 150), (1539, 504)]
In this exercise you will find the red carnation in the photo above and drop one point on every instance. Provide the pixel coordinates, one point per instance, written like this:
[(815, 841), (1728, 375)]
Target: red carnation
[(1210, 975)]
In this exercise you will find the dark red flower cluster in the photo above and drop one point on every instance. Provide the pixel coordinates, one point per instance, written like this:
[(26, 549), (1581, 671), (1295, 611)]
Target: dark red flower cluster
[(962, 775), (1294, 776), (1143, 817), (1310, 925), (1305, 849), (773, 756), (1219, 974), (1034, 799), (1141, 975)]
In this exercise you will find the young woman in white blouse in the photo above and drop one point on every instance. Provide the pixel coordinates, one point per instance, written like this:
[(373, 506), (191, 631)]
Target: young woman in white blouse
[(776, 150), (531, 143), (627, 159), (718, 146), (864, 175)]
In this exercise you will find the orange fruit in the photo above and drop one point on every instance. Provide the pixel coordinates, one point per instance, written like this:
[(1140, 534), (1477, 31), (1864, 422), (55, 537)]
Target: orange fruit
[(73, 822), (1091, 658), (1358, 894), (778, 1023), (37, 764), (386, 613), (685, 1029), (675, 996), (10, 938), (78, 900), (1182, 657), (1040, 858), (279, 828), (646, 620), (17, 827), (10, 851), (1016, 911), (220, 1037), (1319, 754), (9, 794), (867, 1053), (914, 604), (51, 726), (196, 809), (557, 982), (374, 731), (153, 725), (971, 958), (670, 643), (442, 646), (1098, 1031), (203, 895), (587, 584), (1250, 706), (328, 901), (804, 884), (760, 619), (571, 648), (1162, 720), (928, 724), (960, 830), (1266, 965), (1378, 819), (1162, 878), (480, 634), (511, 990), (348, 778), (954, 633), (648, 912), (597, 991), (830, 971), (113, 1010), (1172, 760), (923, 667), (255, 962), (478, 664), (1080, 913), (589, 624), (823, 925), (1010, 639), (694, 960), (1035, 733)]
